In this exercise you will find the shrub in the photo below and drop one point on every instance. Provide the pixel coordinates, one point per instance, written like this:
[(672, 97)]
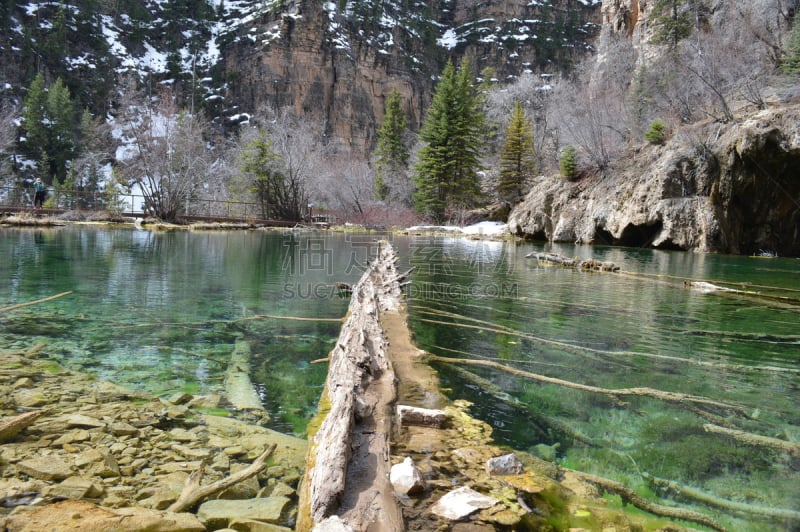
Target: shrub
[(568, 162), (657, 132)]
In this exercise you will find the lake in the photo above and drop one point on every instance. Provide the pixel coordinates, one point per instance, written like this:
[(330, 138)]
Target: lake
[(586, 370)]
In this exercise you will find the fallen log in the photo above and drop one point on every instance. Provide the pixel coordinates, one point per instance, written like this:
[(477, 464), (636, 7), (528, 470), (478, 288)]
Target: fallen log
[(36, 302), (193, 492), (348, 458), (631, 497), (676, 398), (239, 389), (11, 426), (592, 265), (685, 492), (755, 439)]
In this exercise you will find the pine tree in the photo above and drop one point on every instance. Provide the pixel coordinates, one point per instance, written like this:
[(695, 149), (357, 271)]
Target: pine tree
[(446, 173), (49, 122), (657, 132), (468, 140), (61, 129), (391, 154), (517, 157), (33, 119), (790, 64), (670, 21), (568, 162)]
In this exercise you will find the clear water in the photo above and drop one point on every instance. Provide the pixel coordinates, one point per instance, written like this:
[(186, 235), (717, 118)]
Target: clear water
[(641, 327), (162, 311)]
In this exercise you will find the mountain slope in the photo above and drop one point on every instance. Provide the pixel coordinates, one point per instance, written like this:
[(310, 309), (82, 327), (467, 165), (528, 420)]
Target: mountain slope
[(333, 62)]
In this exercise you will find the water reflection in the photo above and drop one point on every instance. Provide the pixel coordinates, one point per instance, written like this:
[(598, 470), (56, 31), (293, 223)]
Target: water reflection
[(162, 311)]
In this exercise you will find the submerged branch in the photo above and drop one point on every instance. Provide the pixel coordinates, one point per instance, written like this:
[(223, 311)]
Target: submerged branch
[(688, 492), (631, 497), (293, 318), (755, 439), (680, 399), (608, 355), (502, 395), (193, 492), (29, 303)]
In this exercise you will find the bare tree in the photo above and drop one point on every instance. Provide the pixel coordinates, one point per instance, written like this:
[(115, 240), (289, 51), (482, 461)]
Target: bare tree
[(284, 173), (168, 158), (351, 186), (593, 118), (767, 22)]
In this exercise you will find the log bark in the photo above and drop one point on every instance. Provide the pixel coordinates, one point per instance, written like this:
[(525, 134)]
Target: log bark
[(755, 439), (29, 303), (11, 426), (193, 492), (631, 497), (348, 460)]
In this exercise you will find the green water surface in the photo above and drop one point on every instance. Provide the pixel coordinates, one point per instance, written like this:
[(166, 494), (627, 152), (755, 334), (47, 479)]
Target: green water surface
[(162, 311), (640, 328)]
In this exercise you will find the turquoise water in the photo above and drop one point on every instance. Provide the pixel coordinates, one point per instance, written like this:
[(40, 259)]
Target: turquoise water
[(642, 327), (162, 311)]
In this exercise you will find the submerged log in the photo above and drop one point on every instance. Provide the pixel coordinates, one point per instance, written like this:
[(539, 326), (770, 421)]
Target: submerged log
[(590, 265), (239, 389), (10, 427), (29, 303), (631, 497), (193, 492), (348, 459), (685, 492), (755, 439)]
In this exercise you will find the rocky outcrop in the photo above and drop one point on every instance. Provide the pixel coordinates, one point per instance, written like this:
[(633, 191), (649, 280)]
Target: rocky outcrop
[(731, 188)]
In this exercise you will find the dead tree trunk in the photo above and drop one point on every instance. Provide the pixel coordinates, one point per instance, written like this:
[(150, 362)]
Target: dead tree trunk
[(348, 459)]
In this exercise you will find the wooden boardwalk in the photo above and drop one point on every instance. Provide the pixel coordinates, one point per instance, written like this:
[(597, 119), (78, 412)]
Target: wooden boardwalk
[(6, 210)]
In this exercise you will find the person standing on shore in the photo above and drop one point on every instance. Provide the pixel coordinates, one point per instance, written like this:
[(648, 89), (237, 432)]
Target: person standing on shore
[(39, 192)]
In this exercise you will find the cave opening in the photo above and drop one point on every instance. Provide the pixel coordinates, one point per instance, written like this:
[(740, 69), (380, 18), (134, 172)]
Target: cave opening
[(639, 236), (603, 237)]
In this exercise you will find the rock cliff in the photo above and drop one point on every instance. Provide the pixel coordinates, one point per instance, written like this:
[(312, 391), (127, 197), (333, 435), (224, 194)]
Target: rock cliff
[(730, 188), (337, 63)]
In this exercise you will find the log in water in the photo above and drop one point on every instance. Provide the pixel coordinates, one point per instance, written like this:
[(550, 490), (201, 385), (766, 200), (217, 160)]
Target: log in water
[(348, 460)]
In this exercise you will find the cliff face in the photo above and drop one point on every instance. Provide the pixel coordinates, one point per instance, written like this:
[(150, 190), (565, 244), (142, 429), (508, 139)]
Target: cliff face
[(731, 188), (339, 65)]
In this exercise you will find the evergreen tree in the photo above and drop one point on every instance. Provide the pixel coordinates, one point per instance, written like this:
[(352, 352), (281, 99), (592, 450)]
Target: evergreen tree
[(57, 44), (790, 64), (391, 154), (61, 129), (657, 132), (517, 157), (33, 119), (49, 122), (468, 139), (670, 21), (280, 194), (568, 162), (446, 173)]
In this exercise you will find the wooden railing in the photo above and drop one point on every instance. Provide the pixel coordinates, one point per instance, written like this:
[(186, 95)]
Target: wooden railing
[(16, 199)]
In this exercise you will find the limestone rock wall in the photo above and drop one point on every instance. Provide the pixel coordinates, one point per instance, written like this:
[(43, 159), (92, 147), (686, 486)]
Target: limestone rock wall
[(732, 188)]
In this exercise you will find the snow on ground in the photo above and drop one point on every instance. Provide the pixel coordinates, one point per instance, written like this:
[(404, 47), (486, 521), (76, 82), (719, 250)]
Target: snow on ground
[(481, 228)]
